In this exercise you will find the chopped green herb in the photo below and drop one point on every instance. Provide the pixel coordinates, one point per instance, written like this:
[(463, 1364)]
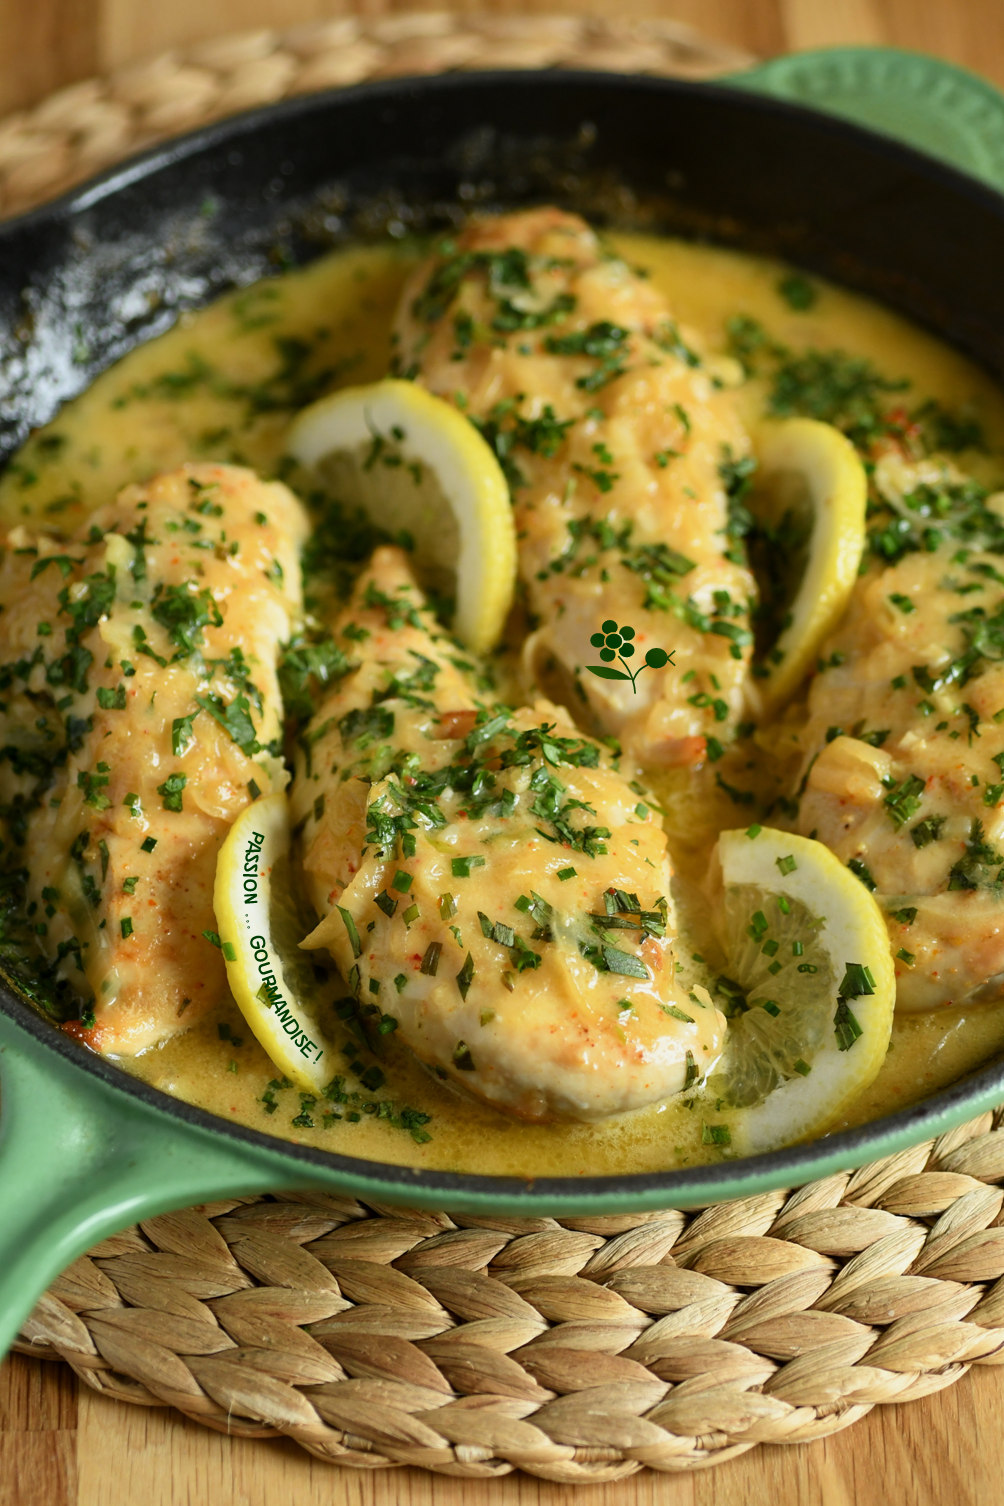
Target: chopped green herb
[(171, 791), (461, 867), (430, 962), (464, 979), (845, 1026)]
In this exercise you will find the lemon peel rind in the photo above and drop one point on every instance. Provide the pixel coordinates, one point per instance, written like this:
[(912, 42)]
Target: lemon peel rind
[(258, 839), (442, 439), (855, 931), (838, 488)]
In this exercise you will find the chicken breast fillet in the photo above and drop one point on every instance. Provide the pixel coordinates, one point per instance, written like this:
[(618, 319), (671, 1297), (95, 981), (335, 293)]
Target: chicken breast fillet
[(903, 767), (619, 443), (141, 713), (488, 880)]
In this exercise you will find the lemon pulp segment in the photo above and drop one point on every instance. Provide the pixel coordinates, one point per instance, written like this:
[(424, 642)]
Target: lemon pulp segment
[(269, 979), (814, 987), (416, 465), (807, 464)]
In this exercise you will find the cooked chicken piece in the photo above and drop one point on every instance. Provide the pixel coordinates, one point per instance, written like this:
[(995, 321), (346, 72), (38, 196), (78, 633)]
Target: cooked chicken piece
[(141, 713), (619, 441), (902, 774), (488, 880)]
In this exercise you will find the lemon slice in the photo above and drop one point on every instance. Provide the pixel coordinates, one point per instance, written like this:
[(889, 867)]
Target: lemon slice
[(271, 980), (416, 466), (810, 472), (811, 989)]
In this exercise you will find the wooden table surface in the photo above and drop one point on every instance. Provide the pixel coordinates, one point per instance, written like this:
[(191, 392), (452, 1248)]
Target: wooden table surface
[(62, 1445)]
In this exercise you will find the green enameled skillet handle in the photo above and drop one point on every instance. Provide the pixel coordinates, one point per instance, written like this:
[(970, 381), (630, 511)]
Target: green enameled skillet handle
[(931, 105), (80, 1160)]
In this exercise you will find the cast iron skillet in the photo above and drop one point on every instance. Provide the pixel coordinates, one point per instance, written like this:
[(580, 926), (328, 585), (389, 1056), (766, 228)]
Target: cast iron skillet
[(84, 1148)]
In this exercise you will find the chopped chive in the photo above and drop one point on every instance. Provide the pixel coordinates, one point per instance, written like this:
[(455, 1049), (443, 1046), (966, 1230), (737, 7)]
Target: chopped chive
[(802, 1068), (447, 907), (565, 874), (148, 844), (753, 831), (845, 1026), (212, 938), (229, 951), (350, 927), (126, 926), (402, 881), (771, 1007), (786, 864), (464, 979), (430, 962), (462, 1058), (858, 980), (905, 956), (410, 915), (385, 903), (461, 867)]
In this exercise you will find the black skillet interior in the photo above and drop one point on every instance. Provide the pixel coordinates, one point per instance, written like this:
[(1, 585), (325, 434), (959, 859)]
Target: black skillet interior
[(86, 279)]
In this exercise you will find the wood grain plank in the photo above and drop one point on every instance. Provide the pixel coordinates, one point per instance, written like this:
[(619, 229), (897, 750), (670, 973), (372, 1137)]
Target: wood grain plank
[(807, 23), (969, 32), (38, 1433), (43, 45)]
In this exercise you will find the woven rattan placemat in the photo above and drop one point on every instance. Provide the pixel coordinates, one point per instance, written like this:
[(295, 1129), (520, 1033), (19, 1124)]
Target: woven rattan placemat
[(579, 1350)]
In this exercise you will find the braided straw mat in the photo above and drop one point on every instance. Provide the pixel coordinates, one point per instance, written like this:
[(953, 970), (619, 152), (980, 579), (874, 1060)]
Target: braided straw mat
[(92, 125), (579, 1350)]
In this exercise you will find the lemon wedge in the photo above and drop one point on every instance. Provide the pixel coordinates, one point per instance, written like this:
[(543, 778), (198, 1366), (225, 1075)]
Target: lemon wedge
[(810, 993), (417, 467), (810, 480), (270, 978)]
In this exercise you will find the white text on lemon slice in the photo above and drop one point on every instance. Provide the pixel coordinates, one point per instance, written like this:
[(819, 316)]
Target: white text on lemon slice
[(812, 988), (258, 927), (417, 466), (810, 472)]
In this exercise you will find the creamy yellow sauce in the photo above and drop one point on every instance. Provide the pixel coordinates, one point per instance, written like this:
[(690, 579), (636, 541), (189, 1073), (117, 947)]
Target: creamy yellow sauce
[(219, 387)]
